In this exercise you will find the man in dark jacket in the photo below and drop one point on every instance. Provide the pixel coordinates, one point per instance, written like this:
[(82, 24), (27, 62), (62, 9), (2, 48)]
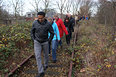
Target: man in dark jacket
[(39, 34), (67, 24), (72, 21)]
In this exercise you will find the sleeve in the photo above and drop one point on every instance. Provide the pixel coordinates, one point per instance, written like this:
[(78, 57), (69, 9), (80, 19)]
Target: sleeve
[(51, 31), (63, 27), (65, 23), (73, 24), (33, 32), (57, 31)]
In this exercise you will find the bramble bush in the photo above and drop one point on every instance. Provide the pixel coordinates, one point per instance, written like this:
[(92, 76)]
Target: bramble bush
[(13, 40)]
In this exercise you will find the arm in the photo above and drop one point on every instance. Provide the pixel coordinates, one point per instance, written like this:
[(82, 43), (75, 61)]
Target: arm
[(73, 22), (51, 33), (72, 25), (57, 31), (33, 32), (65, 23), (63, 27)]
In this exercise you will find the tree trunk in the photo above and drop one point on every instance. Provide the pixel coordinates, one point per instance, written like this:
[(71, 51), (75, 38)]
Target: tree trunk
[(114, 22), (61, 14)]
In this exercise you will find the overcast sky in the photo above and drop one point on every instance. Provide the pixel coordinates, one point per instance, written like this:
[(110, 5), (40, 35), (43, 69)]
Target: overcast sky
[(28, 7)]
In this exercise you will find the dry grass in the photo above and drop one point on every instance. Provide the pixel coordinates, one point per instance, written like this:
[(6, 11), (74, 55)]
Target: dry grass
[(97, 50)]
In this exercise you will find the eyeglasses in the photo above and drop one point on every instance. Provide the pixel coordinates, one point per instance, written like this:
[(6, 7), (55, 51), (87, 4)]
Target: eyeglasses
[(40, 18)]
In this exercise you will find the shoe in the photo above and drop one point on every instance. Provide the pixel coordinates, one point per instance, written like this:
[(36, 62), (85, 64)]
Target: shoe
[(41, 74), (61, 47), (45, 68), (54, 61)]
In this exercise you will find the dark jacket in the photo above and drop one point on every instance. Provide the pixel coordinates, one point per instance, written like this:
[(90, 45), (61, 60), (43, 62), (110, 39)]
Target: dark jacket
[(68, 25), (40, 31), (72, 20)]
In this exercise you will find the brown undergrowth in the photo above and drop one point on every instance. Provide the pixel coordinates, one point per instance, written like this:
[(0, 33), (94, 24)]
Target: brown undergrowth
[(95, 52)]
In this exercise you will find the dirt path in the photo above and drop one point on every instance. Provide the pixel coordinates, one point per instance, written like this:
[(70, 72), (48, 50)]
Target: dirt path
[(58, 69)]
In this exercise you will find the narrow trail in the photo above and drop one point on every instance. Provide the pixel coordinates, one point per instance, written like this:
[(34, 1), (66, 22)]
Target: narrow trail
[(58, 69)]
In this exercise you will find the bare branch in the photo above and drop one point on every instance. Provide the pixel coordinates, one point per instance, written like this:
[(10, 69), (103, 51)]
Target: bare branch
[(68, 6), (36, 5), (46, 5), (61, 6)]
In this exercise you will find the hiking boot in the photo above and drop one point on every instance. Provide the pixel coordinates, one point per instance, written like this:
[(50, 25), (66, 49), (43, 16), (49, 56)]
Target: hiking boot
[(54, 61), (45, 68), (41, 74)]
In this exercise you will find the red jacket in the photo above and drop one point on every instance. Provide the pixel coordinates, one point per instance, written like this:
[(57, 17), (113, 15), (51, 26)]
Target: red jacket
[(61, 27)]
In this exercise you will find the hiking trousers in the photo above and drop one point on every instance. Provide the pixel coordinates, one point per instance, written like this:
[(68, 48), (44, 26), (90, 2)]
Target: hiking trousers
[(37, 49)]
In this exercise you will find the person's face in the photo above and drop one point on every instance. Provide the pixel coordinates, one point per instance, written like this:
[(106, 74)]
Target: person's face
[(66, 20), (55, 17), (40, 18), (50, 20)]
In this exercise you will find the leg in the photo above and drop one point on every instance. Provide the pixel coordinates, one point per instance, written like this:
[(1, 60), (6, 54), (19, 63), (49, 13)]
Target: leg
[(37, 49), (66, 39), (70, 35), (46, 57), (60, 43), (54, 45), (49, 48)]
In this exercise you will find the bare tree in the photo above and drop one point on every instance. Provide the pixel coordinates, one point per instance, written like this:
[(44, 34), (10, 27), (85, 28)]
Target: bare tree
[(36, 5), (114, 18), (3, 13), (21, 7), (17, 5), (0, 5), (46, 5), (1, 1), (1, 10), (75, 6), (68, 6), (86, 6), (61, 5), (107, 14)]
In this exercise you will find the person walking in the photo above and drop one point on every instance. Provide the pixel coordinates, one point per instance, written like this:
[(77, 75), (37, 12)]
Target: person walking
[(39, 34), (61, 27), (55, 39), (68, 27), (72, 21)]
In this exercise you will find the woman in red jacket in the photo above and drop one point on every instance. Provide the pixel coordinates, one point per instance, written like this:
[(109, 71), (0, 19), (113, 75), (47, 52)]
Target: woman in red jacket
[(61, 27)]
